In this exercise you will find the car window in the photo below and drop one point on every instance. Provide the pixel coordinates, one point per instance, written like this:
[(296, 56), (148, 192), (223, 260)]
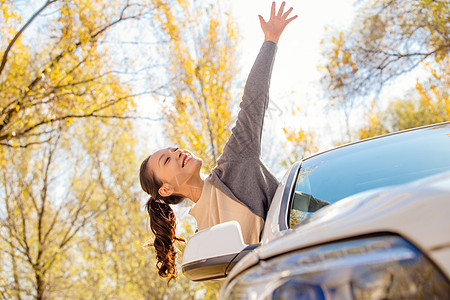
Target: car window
[(390, 160)]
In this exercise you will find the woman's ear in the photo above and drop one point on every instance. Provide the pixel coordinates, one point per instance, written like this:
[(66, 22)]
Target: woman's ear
[(166, 190)]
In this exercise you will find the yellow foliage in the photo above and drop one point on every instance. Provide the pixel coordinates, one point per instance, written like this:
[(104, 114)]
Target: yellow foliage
[(202, 72), (380, 44), (64, 75), (300, 142)]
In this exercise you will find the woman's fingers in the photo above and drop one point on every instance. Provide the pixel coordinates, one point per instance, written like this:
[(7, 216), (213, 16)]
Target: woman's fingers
[(291, 19), (276, 23), (280, 11), (287, 13), (261, 20)]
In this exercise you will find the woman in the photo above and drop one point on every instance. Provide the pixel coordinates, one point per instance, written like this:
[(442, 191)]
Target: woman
[(239, 188)]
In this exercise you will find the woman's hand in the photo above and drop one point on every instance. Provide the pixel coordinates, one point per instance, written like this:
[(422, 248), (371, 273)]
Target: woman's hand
[(276, 24)]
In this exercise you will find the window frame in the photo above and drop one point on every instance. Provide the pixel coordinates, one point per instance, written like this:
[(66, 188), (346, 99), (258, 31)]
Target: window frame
[(286, 202)]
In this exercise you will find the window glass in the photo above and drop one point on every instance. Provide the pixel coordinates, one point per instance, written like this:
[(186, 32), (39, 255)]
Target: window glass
[(391, 160)]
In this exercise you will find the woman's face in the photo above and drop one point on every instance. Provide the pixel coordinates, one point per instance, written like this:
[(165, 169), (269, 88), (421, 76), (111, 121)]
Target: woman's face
[(174, 166)]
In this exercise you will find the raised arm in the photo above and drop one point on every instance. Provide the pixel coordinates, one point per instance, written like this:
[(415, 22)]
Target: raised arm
[(245, 140)]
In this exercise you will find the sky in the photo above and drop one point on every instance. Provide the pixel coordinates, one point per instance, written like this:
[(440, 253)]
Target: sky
[(299, 47), (295, 76)]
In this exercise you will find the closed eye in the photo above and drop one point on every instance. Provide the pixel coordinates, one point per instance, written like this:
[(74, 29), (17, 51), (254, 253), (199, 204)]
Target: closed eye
[(167, 159)]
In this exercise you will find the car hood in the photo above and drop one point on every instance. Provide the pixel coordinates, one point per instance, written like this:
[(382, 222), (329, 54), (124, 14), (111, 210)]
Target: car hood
[(417, 211)]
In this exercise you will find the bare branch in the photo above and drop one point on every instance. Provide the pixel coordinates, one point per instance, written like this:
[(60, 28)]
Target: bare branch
[(44, 189), (18, 34), (27, 144)]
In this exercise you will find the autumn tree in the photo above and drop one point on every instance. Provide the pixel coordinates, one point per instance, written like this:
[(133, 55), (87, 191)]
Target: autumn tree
[(197, 98), (201, 60), (62, 73), (49, 79), (300, 142), (71, 222), (427, 103), (386, 39), (50, 194), (72, 225), (423, 106)]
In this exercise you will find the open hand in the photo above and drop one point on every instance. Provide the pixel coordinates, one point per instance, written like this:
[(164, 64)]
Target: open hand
[(274, 27)]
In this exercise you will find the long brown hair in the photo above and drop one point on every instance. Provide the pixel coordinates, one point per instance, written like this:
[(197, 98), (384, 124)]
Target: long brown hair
[(162, 222)]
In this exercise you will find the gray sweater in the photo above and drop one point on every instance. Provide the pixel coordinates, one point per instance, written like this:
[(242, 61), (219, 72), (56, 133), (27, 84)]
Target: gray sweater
[(239, 172)]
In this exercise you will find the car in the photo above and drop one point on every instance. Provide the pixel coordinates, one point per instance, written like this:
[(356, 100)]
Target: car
[(366, 220)]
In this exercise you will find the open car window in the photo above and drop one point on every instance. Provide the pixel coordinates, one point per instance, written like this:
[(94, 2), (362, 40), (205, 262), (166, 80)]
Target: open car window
[(389, 160)]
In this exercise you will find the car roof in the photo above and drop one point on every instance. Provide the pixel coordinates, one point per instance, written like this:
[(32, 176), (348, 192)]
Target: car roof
[(421, 128)]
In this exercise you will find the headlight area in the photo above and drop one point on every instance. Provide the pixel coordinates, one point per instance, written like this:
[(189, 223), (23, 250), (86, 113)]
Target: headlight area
[(382, 267)]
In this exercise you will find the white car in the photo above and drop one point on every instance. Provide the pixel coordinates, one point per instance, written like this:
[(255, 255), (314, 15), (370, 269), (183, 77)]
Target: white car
[(367, 220)]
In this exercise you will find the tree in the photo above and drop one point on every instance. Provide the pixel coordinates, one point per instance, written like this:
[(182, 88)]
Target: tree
[(387, 39), (47, 81), (201, 62), (299, 141), (62, 73), (428, 103), (200, 68), (425, 105), (41, 217), (71, 224)]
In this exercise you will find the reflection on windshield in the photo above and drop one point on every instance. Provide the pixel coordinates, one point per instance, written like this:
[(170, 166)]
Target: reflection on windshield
[(303, 205)]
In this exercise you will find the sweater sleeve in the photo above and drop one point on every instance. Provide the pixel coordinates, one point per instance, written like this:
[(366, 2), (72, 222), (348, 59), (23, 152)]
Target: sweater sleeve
[(245, 140), (239, 172)]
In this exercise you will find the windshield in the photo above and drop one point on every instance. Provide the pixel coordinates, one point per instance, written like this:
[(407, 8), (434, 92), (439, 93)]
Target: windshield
[(380, 162)]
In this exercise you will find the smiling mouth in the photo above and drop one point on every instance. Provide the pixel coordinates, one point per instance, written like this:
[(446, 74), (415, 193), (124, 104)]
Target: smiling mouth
[(186, 159)]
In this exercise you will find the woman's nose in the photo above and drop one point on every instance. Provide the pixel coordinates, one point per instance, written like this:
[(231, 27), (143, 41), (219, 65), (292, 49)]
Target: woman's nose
[(177, 152)]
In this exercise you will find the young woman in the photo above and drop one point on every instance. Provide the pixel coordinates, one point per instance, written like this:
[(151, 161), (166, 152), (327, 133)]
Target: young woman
[(239, 188)]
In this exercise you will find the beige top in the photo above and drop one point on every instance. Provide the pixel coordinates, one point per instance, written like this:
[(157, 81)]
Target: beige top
[(214, 207)]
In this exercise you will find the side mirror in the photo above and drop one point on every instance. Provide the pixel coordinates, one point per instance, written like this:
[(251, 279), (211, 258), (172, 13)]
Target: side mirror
[(213, 252)]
